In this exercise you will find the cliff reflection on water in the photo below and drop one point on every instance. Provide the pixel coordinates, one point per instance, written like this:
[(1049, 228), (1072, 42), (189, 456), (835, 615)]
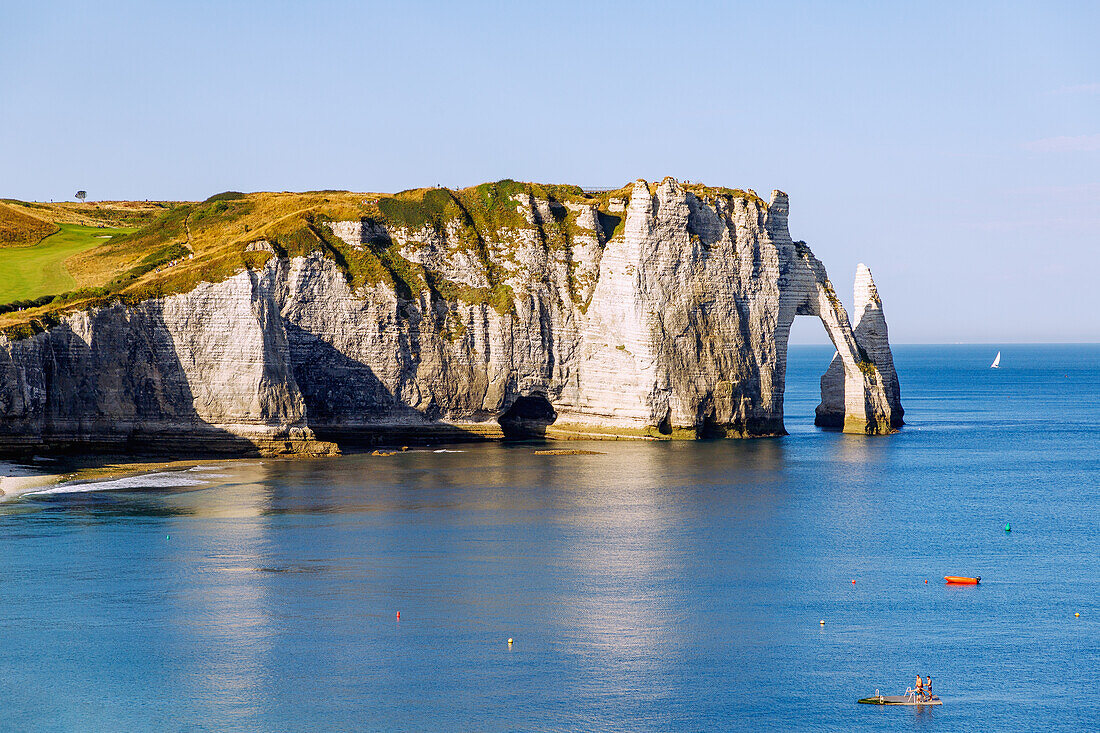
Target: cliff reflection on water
[(225, 605), (653, 586)]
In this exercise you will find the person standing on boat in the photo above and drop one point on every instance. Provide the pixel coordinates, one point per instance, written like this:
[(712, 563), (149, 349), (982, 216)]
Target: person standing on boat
[(928, 687), (919, 688)]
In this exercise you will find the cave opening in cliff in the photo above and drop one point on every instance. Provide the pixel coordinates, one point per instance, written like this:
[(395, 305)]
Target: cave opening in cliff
[(527, 417)]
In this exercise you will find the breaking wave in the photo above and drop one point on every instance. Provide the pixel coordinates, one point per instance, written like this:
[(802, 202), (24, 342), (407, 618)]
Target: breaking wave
[(170, 480)]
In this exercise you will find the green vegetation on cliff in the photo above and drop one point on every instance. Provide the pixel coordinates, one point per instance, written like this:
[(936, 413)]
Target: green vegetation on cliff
[(39, 269), (18, 228), (162, 248), (709, 193)]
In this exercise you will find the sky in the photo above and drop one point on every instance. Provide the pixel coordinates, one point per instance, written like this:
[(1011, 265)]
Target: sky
[(952, 147)]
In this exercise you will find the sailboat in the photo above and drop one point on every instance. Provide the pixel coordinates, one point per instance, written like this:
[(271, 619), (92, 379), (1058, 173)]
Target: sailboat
[(996, 361)]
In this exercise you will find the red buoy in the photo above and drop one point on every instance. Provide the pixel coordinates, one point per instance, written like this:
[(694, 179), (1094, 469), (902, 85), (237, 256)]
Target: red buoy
[(398, 615)]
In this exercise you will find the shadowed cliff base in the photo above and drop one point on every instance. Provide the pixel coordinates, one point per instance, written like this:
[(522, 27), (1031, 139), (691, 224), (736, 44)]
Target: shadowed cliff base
[(528, 417), (352, 438), (831, 421), (198, 439), (348, 405), (144, 406), (566, 429)]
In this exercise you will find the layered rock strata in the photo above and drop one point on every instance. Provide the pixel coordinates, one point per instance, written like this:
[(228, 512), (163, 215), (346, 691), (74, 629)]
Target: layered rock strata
[(673, 324), (846, 402)]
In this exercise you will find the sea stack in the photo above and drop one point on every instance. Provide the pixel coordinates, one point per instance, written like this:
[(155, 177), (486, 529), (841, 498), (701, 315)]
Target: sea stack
[(863, 397), (661, 310)]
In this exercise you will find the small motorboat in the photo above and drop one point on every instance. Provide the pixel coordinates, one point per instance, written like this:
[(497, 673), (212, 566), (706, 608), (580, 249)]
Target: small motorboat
[(960, 580)]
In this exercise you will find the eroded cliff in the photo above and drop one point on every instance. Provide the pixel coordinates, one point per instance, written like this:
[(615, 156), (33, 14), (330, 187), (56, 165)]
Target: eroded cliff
[(664, 313)]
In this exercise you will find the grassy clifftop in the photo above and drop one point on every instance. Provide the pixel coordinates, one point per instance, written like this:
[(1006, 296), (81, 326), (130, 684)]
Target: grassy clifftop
[(38, 271), (132, 251), (20, 229)]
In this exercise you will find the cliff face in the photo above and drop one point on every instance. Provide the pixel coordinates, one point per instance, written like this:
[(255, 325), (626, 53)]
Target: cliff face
[(845, 402), (670, 319)]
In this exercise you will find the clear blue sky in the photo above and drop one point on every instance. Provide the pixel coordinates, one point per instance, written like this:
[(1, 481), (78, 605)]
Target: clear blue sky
[(954, 147)]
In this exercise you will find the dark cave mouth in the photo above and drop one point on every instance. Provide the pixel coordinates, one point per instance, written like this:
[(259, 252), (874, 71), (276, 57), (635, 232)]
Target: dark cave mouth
[(528, 417)]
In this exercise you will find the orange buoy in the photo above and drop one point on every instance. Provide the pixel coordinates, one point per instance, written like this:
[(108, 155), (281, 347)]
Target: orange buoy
[(398, 615), (960, 580)]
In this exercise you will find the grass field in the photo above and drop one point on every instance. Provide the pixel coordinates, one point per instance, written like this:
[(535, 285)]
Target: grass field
[(30, 272)]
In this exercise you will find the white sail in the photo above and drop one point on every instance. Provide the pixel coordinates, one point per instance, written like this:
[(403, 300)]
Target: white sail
[(996, 361)]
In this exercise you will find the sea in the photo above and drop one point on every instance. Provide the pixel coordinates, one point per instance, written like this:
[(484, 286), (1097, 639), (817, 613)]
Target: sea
[(653, 586)]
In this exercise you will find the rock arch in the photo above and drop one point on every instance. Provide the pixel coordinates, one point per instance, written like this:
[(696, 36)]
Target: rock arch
[(688, 324), (870, 403)]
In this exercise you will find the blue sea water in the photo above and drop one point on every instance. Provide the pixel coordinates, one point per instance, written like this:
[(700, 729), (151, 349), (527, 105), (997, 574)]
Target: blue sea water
[(658, 586)]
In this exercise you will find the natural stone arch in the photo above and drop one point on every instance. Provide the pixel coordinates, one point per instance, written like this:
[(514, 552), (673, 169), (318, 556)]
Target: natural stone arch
[(688, 325), (840, 396), (860, 392)]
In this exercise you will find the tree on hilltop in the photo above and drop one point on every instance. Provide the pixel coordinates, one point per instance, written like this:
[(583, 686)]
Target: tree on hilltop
[(82, 195)]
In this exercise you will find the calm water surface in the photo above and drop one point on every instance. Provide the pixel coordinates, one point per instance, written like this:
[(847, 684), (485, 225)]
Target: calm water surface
[(658, 586)]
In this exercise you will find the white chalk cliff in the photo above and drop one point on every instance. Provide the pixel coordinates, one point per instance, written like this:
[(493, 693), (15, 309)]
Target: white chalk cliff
[(673, 325), (846, 402)]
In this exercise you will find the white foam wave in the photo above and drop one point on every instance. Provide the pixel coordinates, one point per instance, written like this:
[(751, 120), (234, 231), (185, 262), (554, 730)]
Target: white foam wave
[(444, 450), (172, 480)]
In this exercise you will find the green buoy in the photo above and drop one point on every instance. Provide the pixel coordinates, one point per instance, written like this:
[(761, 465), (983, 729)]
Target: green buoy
[(1008, 527)]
